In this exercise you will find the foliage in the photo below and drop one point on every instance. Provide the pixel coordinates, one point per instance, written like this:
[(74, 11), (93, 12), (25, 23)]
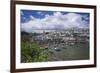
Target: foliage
[(31, 52)]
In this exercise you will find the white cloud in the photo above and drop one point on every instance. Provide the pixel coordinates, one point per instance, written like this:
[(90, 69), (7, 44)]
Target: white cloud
[(32, 17), (57, 14), (55, 21), (85, 17), (22, 13), (40, 13)]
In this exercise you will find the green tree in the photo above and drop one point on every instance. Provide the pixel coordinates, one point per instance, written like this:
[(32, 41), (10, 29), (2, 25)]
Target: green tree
[(31, 52)]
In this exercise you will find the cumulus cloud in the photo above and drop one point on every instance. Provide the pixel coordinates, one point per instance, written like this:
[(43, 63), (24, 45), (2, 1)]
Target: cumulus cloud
[(32, 17), (40, 13), (55, 21)]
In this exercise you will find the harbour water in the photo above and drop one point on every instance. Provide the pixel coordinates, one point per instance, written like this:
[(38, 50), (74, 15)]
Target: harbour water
[(79, 51)]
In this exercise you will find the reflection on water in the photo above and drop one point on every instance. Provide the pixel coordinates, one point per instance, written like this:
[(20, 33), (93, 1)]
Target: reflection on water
[(79, 51)]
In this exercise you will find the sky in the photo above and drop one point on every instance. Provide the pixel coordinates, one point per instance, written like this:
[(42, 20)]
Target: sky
[(32, 20)]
